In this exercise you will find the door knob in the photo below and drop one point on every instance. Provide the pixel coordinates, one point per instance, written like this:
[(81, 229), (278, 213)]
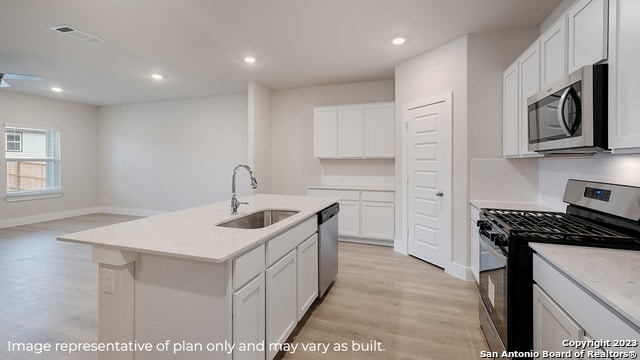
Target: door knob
[(439, 193)]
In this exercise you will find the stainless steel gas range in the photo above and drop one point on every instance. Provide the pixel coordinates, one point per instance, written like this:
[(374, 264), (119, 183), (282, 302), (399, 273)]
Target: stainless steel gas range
[(598, 214)]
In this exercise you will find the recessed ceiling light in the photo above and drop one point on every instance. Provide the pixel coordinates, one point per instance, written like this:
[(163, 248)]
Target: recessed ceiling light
[(56, 89), (157, 76), (398, 41), (249, 59)]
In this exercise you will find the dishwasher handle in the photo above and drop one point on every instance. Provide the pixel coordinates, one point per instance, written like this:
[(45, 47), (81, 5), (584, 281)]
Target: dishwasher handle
[(328, 213)]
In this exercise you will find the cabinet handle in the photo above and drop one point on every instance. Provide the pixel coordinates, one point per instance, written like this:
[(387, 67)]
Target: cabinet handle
[(439, 193)]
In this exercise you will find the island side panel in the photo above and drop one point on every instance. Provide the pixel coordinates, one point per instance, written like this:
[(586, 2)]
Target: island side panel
[(184, 304), (116, 269)]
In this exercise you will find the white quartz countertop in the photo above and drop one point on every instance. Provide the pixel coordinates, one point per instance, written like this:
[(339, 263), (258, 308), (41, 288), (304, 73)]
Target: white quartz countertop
[(479, 204), (352, 187), (193, 234), (611, 275)]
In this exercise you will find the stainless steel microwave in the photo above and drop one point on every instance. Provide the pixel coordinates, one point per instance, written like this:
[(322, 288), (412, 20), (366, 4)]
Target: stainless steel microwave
[(570, 116)]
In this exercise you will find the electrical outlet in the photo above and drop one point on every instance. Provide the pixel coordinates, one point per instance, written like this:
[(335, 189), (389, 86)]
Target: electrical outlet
[(109, 281)]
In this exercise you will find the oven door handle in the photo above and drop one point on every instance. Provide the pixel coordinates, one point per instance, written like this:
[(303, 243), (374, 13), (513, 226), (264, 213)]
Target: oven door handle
[(492, 251)]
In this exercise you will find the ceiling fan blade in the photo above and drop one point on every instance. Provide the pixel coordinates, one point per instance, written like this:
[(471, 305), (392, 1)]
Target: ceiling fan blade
[(3, 84), (21, 77)]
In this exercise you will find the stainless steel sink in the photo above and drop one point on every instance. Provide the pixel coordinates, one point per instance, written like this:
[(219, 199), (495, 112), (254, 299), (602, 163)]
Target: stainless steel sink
[(258, 220)]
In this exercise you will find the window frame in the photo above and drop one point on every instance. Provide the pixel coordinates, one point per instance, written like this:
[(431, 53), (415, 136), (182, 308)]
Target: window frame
[(14, 141), (52, 160)]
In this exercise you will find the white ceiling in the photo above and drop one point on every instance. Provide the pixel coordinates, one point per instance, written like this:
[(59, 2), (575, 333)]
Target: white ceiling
[(198, 45)]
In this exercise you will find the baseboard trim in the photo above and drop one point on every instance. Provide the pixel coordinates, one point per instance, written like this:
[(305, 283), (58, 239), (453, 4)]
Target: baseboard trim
[(460, 271), (388, 243), (47, 217)]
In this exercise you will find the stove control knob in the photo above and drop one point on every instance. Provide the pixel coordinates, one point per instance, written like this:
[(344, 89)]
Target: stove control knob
[(484, 225), (499, 240)]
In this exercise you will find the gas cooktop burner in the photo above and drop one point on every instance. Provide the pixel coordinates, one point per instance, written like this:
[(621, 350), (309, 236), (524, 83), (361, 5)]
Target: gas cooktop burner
[(553, 225)]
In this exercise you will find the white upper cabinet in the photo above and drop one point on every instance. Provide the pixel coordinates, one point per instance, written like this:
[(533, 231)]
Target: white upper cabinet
[(325, 128), (379, 139), (510, 114), (588, 29), (624, 76), (520, 80), (553, 53), (358, 131), (578, 38), (529, 77), (350, 131)]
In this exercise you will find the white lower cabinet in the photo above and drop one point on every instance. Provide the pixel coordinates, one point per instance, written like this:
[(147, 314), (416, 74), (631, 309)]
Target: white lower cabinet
[(349, 218), (249, 318), (282, 310), (268, 303), (365, 216), (552, 325), (307, 274), (377, 220), (564, 310)]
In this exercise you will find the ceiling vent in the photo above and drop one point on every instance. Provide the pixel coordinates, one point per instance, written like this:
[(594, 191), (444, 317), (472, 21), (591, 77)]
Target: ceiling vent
[(77, 34)]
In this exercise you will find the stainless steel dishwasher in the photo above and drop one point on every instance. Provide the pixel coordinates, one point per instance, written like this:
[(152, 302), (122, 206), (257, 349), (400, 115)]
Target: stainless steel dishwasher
[(327, 247)]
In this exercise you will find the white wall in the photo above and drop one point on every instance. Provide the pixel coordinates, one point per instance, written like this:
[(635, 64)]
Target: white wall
[(294, 167), (489, 55), (79, 155), (441, 70), (171, 155), (260, 134)]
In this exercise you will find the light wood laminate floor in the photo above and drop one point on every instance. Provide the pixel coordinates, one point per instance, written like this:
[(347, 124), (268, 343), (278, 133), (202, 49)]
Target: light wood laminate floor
[(399, 306)]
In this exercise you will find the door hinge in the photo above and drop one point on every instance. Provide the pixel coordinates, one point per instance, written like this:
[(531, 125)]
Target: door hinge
[(406, 125)]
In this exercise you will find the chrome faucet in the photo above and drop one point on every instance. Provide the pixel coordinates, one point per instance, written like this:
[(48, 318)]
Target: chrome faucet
[(254, 184)]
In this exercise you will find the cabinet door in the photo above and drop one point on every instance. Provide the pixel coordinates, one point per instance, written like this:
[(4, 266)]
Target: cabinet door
[(325, 132), (249, 317), (379, 140), (553, 52), (529, 84), (307, 276), (378, 220), (282, 314), (624, 76), (351, 131), (349, 218), (510, 114), (588, 31), (551, 324)]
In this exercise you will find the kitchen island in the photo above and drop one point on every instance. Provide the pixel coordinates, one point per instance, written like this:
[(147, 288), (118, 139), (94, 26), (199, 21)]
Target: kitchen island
[(181, 287)]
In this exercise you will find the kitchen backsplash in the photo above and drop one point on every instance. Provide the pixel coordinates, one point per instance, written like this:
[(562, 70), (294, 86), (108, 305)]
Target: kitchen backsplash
[(378, 181), (555, 171), (504, 180), (543, 180)]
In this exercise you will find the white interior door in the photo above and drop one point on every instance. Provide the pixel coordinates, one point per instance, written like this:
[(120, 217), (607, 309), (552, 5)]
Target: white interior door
[(429, 124)]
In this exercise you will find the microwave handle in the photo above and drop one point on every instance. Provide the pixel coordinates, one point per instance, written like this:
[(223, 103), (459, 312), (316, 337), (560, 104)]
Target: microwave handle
[(561, 119)]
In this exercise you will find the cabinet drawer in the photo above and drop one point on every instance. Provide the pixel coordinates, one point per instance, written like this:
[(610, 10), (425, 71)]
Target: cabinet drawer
[(247, 266), (384, 196), (597, 319), (342, 194), (285, 242)]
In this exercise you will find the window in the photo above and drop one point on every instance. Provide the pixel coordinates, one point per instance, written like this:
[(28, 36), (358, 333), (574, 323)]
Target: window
[(14, 141), (32, 162)]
